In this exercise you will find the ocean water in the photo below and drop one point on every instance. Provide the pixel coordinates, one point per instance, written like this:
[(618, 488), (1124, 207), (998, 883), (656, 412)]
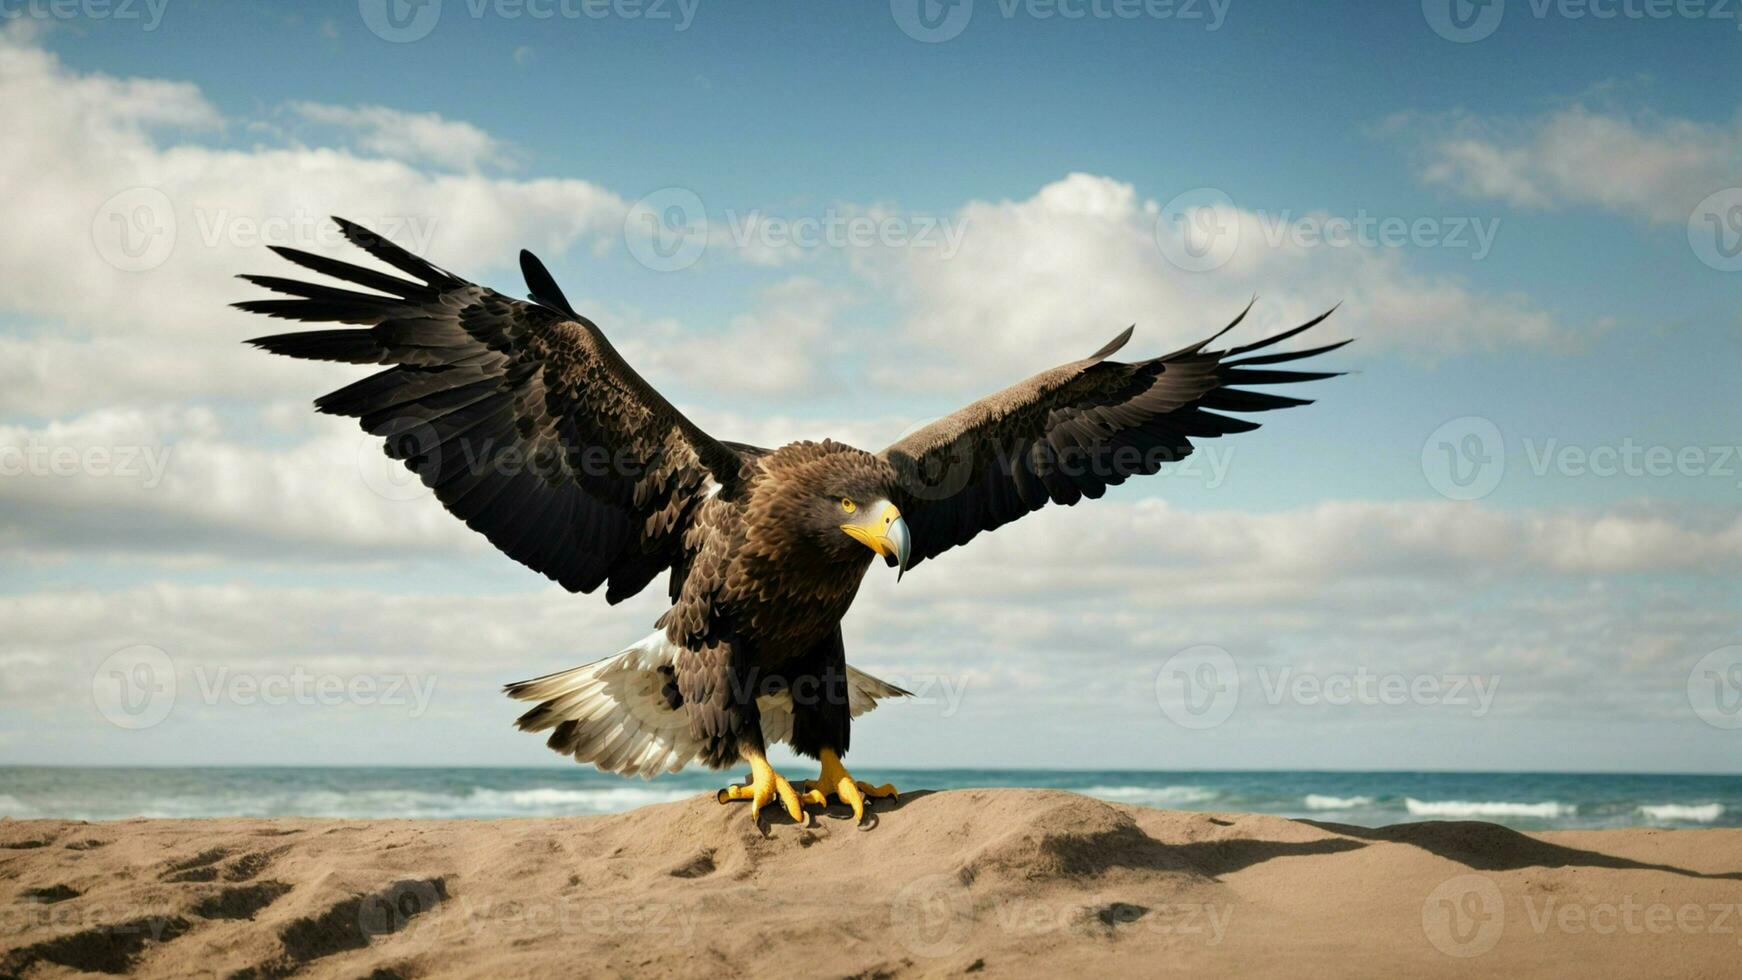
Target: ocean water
[(1527, 801)]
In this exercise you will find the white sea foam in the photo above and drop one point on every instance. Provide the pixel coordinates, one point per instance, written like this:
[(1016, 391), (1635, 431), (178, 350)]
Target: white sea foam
[(1314, 801), (550, 799), (1488, 808), (1152, 795), (1691, 813), (416, 804)]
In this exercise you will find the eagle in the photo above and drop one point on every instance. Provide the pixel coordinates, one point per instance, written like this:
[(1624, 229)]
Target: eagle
[(528, 425)]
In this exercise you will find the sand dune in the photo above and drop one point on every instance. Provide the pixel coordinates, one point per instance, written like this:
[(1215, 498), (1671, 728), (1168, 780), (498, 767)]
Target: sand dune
[(986, 882)]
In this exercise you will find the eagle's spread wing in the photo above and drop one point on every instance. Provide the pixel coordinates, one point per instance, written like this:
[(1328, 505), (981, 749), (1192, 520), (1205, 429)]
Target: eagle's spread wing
[(1077, 429), (520, 416)]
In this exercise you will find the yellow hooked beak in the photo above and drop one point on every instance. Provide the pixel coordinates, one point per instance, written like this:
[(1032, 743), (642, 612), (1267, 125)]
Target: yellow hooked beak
[(885, 533)]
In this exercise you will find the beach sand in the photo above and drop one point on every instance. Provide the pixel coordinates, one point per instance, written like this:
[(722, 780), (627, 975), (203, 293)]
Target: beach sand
[(986, 882)]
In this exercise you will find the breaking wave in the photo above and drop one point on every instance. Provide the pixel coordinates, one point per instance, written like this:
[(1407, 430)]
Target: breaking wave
[(1315, 801), (1488, 808), (1152, 795), (1690, 813)]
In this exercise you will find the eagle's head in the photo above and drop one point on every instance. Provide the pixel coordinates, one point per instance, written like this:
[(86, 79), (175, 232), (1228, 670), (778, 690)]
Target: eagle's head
[(834, 502)]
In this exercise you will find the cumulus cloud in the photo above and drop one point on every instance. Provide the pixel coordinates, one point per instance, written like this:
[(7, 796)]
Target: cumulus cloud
[(135, 225), (1046, 634), (1040, 280), (1642, 165), (196, 482), (412, 137), (782, 346), (189, 483)]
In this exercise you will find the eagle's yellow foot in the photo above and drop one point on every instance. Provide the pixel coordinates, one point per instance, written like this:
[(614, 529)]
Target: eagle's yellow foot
[(836, 781), (765, 786)]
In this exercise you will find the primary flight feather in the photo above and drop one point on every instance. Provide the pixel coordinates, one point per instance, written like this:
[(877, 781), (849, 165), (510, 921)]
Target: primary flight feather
[(528, 425)]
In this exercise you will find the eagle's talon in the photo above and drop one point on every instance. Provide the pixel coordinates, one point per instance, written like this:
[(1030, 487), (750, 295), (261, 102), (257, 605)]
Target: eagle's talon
[(765, 786), (837, 782)]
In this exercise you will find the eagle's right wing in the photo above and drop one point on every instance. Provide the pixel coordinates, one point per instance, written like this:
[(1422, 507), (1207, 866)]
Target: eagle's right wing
[(520, 416)]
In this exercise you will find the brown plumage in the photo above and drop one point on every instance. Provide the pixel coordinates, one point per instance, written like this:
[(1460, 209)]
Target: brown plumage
[(528, 425)]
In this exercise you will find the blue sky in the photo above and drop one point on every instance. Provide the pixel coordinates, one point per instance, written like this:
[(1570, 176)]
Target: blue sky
[(1594, 151)]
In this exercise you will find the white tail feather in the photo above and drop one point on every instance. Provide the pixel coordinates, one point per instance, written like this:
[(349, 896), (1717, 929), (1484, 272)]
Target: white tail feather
[(614, 714)]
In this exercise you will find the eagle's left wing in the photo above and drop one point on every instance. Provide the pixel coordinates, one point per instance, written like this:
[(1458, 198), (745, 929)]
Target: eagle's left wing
[(1077, 429)]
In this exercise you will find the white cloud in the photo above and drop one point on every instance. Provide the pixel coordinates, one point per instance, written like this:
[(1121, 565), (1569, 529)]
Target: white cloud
[(220, 486), (1062, 621), (411, 137), (1648, 166), (1040, 281), (188, 482), (783, 346), (132, 230)]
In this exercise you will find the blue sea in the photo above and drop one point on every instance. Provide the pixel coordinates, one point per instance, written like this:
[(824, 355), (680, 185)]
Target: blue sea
[(1527, 801)]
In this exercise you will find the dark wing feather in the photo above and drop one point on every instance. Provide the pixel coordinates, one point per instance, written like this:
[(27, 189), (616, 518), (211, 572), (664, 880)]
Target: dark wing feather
[(521, 417), (1077, 429)]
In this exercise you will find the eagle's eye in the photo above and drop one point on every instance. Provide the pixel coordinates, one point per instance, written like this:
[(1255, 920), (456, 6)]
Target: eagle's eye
[(848, 505)]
